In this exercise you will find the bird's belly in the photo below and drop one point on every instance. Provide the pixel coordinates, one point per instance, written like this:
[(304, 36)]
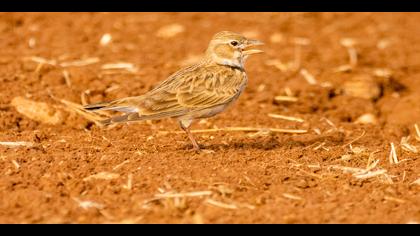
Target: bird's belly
[(209, 112)]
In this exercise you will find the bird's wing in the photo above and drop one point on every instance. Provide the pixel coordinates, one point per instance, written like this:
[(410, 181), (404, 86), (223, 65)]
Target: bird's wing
[(211, 88), (199, 89)]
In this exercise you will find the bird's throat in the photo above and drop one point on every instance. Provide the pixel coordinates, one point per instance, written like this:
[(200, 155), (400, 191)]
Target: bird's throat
[(233, 63)]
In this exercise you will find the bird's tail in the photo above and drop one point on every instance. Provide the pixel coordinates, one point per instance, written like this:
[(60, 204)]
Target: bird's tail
[(121, 105), (96, 106), (121, 119)]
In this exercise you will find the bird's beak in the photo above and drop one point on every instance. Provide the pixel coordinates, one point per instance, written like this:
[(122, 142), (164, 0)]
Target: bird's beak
[(249, 48)]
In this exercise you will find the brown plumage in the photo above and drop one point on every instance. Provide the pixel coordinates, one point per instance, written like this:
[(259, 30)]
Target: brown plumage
[(198, 91)]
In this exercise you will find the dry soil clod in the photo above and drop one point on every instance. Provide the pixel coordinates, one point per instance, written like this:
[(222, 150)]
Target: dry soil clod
[(38, 111), (362, 86)]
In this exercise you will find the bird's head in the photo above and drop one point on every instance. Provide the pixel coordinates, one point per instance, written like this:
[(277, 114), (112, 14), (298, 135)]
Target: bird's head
[(231, 49)]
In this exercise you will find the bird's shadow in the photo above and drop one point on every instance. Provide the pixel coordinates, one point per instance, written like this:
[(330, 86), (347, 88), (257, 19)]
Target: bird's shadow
[(270, 143), (258, 144)]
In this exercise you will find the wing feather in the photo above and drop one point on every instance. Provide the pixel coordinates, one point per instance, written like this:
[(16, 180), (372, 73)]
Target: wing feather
[(212, 86)]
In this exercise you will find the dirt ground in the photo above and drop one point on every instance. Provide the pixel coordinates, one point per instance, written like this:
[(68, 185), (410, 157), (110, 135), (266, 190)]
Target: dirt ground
[(350, 80)]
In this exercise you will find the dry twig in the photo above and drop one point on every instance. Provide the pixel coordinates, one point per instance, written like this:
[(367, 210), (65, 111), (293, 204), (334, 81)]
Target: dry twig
[(289, 118), (393, 159), (17, 144), (286, 99)]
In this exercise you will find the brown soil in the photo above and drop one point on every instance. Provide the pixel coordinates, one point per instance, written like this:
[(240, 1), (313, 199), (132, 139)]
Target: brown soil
[(77, 172)]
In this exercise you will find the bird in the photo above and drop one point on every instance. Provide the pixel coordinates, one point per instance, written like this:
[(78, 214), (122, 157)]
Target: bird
[(201, 90)]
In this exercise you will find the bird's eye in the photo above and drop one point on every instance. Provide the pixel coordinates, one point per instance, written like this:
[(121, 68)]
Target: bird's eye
[(234, 43)]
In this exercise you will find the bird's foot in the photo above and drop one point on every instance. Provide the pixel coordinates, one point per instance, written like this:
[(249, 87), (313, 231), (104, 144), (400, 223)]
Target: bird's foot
[(207, 151), (198, 149)]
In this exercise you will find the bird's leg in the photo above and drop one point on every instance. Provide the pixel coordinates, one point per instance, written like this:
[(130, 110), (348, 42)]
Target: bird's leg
[(191, 137), (185, 125)]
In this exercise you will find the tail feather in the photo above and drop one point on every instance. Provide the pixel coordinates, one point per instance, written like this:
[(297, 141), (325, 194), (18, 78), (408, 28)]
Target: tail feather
[(96, 106), (120, 119), (131, 108), (117, 105)]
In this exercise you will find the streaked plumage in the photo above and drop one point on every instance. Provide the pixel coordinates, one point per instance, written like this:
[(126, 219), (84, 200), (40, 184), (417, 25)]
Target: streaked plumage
[(198, 91)]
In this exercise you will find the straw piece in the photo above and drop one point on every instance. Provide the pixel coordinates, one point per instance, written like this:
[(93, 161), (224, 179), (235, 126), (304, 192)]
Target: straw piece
[(88, 204), (17, 144), (129, 184), (95, 117), (221, 204), (120, 66), (308, 77), (370, 174), (291, 196), (289, 118), (80, 63), (102, 175), (393, 159), (105, 39), (416, 127), (286, 99), (278, 64), (416, 181), (42, 60), (394, 199), (179, 195), (405, 145), (170, 30), (66, 76), (16, 164), (354, 140)]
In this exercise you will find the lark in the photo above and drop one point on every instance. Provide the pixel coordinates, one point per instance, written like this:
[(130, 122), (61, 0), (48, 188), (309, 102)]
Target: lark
[(199, 91)]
